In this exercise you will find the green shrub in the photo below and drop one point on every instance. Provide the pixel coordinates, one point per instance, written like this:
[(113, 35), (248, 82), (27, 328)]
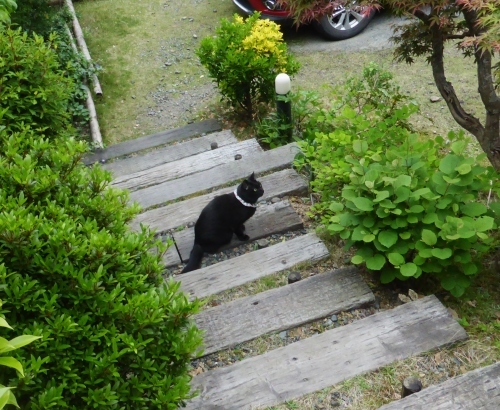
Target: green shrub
[(409, 211), (35, 16), (38, 17), (244, 59), (6, 395), (114, 336), (34, 90), (368, 116)]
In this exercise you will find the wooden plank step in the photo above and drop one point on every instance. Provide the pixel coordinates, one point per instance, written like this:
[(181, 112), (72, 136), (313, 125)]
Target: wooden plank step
[(476, 390), (328, 358), (279, 309), (169, 153), (154, 140), (187, 166), (251, 266), (278, 184), (274, 159), (268, 220)]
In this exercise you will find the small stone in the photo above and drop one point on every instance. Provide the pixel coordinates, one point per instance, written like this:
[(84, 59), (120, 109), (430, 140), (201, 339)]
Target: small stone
[(411, 385), (190, 224), (133, 97), (214, 145), (177, 72), (215, 10), (168, 64), (195, 36), (237, 157), (328, 322), (294, 277), (283, 335), (275, 200), (434, 99), (334, 318), (262, 243)]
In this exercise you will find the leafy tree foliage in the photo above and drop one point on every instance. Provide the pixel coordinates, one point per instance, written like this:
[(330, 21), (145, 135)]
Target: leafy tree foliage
[(472, 25)]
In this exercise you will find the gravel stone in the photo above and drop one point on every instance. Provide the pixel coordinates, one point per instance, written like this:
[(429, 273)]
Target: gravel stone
[(294, 277), (262, 243)]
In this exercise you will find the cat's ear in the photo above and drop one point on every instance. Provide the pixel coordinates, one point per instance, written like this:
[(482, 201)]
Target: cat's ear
[(252, 177)]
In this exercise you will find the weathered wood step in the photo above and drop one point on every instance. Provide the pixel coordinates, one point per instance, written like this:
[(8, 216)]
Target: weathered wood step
[(476, 390), (154, 140), (187, 166), (268, 220), (283, 308), (277, 184), (252, 266), (274, 159), (328, 358), (169, 153)]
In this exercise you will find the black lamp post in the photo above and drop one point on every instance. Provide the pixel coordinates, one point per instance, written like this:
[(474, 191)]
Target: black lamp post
[(283, 104)]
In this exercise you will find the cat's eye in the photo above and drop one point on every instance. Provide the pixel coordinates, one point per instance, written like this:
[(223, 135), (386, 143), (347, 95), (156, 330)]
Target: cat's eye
[(255, 190)]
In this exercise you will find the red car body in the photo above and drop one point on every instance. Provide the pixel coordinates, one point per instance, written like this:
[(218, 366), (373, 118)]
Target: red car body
[(341, 24)]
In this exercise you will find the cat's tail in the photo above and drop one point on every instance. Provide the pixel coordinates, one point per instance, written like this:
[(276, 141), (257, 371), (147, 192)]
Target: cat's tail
[(195, 257)]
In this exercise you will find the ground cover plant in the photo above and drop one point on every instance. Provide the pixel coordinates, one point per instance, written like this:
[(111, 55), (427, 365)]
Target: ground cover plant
[(113, 334)]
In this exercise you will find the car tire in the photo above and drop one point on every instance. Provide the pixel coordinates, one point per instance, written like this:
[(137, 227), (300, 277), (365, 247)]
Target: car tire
[(333, 26)]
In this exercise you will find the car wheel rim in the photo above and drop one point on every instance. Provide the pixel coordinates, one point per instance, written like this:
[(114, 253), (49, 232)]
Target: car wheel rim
[(345, 19)]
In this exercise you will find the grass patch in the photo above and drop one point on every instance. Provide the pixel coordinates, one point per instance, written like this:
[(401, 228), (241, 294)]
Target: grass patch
[(144, 48)]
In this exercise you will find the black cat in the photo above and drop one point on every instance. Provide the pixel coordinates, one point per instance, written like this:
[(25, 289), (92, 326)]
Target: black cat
[(223, 216)]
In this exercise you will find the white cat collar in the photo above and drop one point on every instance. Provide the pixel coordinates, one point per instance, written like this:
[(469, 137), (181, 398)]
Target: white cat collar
[(242, 201)]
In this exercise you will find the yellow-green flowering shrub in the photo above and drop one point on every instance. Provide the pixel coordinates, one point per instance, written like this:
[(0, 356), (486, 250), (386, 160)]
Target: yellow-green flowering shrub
[(244, 58)]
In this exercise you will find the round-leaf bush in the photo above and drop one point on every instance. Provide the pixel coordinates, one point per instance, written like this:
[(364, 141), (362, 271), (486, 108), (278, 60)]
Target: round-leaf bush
[(410, 212)]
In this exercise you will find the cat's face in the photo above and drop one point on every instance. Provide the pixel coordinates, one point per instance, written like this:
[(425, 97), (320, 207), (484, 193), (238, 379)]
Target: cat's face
[(253, 187)]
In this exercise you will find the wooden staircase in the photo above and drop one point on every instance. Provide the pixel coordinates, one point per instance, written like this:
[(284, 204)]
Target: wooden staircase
[(173, 175)]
